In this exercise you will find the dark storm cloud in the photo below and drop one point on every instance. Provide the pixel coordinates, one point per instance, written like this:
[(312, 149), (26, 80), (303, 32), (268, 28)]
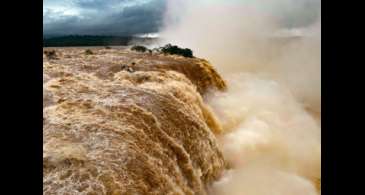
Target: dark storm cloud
[(99, 4), (102, 17)]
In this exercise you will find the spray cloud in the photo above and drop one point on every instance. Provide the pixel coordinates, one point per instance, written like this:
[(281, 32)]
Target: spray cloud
[(269, 52)]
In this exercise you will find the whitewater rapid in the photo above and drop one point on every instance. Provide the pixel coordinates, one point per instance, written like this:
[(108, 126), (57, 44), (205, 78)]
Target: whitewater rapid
[(140, 130)]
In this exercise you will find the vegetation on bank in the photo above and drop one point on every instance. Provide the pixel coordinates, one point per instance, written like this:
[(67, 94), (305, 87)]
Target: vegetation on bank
[(167, 50), (175, 50), (139, 48)]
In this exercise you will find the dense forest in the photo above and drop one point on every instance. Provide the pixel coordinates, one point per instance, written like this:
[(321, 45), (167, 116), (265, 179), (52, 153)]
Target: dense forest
[(90, 40)]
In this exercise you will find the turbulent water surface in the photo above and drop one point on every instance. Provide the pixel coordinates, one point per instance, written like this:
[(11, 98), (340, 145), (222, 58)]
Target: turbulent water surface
[(120, 122)]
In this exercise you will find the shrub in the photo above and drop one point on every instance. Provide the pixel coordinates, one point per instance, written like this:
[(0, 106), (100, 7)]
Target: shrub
[(139, 48), (89, 52), (175, 50), (50, 54)]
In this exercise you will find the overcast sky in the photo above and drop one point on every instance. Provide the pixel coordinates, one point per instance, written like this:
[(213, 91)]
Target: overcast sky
[(127, 17), (102, 17)]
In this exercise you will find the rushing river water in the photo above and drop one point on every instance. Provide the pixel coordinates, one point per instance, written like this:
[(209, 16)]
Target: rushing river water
[(121, 122)]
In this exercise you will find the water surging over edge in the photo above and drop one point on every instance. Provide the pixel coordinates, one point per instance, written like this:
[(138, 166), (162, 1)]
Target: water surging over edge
[(140, 132)]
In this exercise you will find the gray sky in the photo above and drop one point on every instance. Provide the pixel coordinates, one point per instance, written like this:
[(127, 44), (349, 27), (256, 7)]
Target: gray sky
[(102, 17), (127, 17)]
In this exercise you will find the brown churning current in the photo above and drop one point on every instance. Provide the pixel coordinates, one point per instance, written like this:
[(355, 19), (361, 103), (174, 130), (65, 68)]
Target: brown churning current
[(144, 130)]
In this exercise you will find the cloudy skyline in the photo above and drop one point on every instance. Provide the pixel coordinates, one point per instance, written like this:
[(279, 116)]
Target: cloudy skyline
[(102, 17), (128, 17)]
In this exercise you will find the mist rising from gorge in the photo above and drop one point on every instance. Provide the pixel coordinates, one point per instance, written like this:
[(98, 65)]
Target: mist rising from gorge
[(271, 59)]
